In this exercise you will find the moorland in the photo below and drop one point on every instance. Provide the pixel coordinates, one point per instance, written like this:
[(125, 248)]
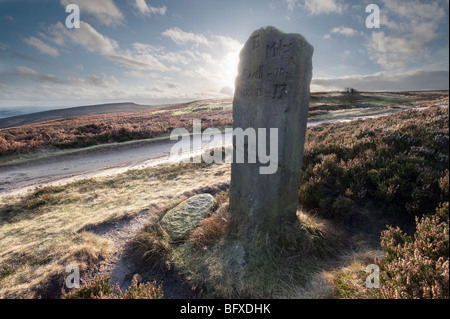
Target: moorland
[(373, 191)]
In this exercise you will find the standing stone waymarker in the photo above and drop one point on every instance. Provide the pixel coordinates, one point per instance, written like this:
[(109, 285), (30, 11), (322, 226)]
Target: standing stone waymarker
[(272, 91)]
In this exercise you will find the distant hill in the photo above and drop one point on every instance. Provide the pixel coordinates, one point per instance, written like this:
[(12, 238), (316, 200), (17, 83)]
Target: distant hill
[(22, 110), (38, 117)]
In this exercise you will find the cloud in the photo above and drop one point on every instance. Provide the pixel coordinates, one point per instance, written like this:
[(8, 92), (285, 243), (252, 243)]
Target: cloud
[(386, 81), (37, 76), (91, 40), (23, 70), (104, 12), (171, 85), (98, 81), (141, 56), (199, 70), (410, 29), (86, 36), (211, 62), (135, 74), (158, 55), (323, 6), (226, 90), (41, 46), (8, 17), (3, 46), (27, 57), (342, 30), (135, 61), (146, 9), (316, 6), (90, 80), (349, 32), (228, 43), (292, 4), (182, 38)]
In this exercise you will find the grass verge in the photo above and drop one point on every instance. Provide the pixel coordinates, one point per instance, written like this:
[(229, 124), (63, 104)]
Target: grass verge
[(44, 231)]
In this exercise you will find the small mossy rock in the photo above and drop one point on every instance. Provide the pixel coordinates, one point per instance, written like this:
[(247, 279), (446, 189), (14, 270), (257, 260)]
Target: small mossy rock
[(180, 220)]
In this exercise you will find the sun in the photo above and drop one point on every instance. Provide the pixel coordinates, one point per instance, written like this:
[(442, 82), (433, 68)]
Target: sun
[(231, 68)]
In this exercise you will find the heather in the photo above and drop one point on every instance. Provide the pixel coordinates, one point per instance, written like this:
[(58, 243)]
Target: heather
[(417, 266), (95, 129), (100, 288), (389, 171), (393, 165)]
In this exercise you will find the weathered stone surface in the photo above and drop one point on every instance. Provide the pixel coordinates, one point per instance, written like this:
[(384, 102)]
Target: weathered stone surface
[(180, 220), (272, 91)]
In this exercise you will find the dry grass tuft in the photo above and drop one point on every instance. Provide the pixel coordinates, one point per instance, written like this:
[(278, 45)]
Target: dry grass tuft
[(210, 230), (44, 231), (252, 263)]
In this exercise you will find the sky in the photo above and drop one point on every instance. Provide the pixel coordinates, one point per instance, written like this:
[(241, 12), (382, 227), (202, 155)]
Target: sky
[(158, 52)]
